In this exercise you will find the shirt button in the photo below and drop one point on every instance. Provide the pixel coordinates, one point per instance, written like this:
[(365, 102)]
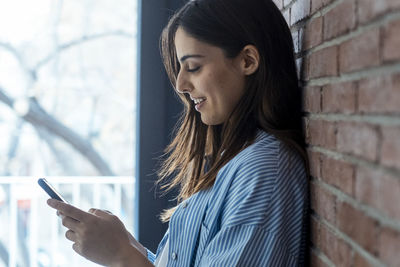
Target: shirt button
[(174, 255), (184, 204)]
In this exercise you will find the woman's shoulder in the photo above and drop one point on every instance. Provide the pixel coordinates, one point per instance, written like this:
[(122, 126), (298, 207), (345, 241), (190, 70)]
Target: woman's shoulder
[(267, 152), (265, 147), (256, 181)]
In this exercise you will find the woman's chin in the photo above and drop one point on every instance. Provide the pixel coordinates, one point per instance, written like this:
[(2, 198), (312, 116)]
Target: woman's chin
[(210, 121)]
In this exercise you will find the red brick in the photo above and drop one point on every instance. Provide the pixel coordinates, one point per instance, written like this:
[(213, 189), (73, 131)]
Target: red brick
[(360, 52), (324, 62), (339, 20), (389, 244), (316, 261), (379, 94), (359, 139), (367, 186), (313, 33), (323, 203), (305, 71), (358, 226), (315, 163), (393, 4), (390, 151), (306, 128), (318, 4), (371, 9), (314, 235), (391, 41), (301, 66), (339, 98), (312, 99), (299, 11), (379, 190), (339, 174), (360, 261), (389, 198), (335, 248), (322, 133)]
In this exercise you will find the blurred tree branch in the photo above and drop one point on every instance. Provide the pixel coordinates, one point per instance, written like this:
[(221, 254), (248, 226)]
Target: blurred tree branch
[(38, 117), (80, 41), (12, 150), (9, 48), (86, 38), (65, 163)]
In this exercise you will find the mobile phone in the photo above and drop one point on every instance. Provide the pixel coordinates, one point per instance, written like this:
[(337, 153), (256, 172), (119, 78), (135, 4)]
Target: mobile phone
[(50, 190)]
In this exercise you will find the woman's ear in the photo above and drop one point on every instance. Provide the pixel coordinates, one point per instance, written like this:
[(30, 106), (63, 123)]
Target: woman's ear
[(250, 59)]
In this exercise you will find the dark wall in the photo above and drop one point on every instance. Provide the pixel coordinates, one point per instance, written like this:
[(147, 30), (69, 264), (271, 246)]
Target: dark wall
[(158, 110)]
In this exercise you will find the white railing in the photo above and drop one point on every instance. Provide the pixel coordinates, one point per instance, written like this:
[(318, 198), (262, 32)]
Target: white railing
[(32, 234)]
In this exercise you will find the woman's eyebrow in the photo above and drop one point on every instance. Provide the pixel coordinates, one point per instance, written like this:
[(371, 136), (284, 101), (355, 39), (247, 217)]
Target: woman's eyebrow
[(189, 56)]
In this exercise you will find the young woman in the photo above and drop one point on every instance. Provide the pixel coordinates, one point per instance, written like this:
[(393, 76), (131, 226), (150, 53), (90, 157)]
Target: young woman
[(238, 156)]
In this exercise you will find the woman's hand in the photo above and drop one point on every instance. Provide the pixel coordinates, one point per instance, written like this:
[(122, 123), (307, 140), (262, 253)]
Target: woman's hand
[(132, 240), (100, 236)]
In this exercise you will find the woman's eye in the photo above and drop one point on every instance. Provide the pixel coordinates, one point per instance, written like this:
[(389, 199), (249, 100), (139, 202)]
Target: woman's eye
[(193, 69)]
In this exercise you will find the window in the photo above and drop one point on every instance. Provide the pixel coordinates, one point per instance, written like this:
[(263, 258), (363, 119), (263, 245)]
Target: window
[(67, 113)]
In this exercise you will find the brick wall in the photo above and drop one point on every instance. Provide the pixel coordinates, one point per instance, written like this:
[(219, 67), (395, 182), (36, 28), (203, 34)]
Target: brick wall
[(348, 54)]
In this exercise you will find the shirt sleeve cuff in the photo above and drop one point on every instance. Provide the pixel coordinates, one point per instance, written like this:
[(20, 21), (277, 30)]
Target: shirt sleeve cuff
[(151, 256)]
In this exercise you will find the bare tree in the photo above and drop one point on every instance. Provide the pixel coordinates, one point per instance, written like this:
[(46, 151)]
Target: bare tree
[(49, 126), (38, 117)]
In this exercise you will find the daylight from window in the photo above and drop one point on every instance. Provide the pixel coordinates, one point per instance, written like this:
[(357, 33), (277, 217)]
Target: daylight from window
[(67, 113)]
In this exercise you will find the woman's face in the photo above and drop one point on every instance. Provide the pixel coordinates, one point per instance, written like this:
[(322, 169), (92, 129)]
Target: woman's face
[(214, 82)]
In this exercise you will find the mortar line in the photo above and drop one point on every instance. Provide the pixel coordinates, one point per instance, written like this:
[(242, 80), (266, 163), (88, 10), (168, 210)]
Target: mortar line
[(381, 218), (356, 247), (382, 120)]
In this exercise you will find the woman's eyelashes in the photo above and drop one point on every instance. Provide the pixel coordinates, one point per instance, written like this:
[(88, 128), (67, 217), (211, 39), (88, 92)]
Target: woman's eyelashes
[(192, 69)]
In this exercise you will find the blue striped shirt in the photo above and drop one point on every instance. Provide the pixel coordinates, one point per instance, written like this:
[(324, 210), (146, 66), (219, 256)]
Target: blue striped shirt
[(255, 214)]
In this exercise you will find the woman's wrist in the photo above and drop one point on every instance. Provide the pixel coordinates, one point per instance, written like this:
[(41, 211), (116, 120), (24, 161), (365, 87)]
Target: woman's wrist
[(130, 256)]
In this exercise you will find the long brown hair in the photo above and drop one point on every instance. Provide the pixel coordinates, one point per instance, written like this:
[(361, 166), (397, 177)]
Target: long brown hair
[(272, 101)]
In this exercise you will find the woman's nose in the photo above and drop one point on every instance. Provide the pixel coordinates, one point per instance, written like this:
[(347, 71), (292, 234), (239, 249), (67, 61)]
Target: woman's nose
[(182, 85)]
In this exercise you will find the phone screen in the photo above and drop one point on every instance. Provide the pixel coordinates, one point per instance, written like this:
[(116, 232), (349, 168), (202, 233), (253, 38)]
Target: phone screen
[(50, 190)]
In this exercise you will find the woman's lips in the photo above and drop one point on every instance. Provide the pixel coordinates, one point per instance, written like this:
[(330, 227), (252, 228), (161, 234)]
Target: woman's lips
[(198, 106)]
